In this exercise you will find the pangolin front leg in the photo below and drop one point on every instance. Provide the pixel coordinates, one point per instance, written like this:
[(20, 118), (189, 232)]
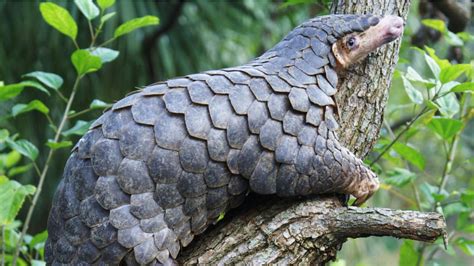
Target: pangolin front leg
[(164, 163)]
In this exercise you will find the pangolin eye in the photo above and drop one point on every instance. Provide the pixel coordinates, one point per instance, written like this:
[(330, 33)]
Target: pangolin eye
[(351, 42)]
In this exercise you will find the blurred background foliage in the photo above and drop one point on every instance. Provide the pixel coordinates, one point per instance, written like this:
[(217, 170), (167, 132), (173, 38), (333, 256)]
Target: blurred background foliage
[(198, 35)]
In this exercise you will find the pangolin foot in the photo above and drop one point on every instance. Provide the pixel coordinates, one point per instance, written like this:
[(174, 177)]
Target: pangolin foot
[(365, 189)]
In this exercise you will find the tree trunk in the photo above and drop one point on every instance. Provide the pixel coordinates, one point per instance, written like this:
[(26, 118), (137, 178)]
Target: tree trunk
[(271, 230), (363, 99)]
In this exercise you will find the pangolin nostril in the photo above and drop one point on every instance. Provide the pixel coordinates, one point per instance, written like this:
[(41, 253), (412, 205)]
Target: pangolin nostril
[(395, 25)]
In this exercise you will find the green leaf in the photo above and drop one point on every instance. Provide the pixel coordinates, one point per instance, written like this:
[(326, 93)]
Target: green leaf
[(453, 72), (446, 128), (10, 159), (221, 216), (435, 69), (24, 147), (59, 18), (410, 154), (399, 177), (453, 39), (430, 104), (448, 105), (33, 105), (105, 3), (436, 24), (10, 91), (106, 55), (85, 62), (38, 263), (4, 135), (432, 53), (9, 259), (464, 223), (465, 36), (464, 87), (49, 79), (88, 9), (412, 75), (12, 196), (408, 254), (98, 104), (134, 24), (438, 197), (38, 241), (340, 262), (36, 85), (467, 197), (79, 128), (19, 170), (431, 193), (106, 17), (454, 208), (465, 245), (414, 95), (446, 87), (58, 145)]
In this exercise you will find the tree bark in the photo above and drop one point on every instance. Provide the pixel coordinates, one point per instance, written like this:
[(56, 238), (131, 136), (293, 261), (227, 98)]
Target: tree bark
[(365, 87), (272, 230), (308, 232)]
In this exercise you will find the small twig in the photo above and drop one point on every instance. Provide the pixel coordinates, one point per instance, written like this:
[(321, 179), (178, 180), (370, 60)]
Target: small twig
[(50, 121), (75, 44), (407, 127), (415, 190), (80, 113), (38, 171), (106, 42), (451, 153), (98, 31), (91, 30), (45, 171), (452, 148), (417, 196), (61, 96)]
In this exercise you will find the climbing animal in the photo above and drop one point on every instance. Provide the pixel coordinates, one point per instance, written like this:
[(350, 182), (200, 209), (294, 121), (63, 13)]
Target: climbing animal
[(166, 161)]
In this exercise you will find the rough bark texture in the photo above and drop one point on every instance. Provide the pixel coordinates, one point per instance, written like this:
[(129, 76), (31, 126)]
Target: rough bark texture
[(312, 231), (309, 232), (363, 92)]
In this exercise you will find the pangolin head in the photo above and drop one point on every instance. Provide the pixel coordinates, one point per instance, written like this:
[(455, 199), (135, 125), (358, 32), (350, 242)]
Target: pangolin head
[(341, 40), (355, 46)]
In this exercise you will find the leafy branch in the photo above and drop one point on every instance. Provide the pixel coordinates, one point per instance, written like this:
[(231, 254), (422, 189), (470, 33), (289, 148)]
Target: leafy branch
[(439, 112), (85, 61)]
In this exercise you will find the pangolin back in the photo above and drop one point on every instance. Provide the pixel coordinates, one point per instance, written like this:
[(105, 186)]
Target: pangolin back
[(166, 161)]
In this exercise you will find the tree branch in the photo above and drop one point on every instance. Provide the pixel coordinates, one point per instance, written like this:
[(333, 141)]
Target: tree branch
[(271, 230), (310, 231)]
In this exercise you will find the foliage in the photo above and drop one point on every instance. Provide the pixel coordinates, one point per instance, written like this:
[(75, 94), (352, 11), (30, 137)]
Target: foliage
[(442, 107), (217, 35), (85, 61)]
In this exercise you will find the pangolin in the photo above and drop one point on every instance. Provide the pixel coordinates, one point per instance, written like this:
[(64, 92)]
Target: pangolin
[(168, 160)]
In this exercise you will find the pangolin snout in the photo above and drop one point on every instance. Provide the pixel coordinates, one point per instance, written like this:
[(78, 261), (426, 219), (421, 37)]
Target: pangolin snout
[(393, 27)]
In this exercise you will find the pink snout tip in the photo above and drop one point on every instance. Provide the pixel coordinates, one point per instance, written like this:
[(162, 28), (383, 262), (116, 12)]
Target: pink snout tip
[(393, 26)]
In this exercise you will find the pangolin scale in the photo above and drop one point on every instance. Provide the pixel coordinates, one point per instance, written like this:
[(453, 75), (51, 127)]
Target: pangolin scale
[(166, 161)]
